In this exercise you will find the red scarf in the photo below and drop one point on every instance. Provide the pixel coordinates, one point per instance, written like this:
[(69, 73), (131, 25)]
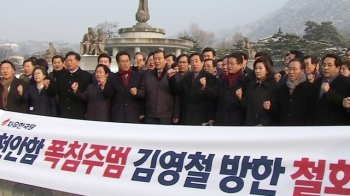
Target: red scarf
[(232, 78), (122, 74)]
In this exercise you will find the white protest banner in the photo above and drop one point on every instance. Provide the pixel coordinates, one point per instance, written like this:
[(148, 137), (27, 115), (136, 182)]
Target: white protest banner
[(98, 158)]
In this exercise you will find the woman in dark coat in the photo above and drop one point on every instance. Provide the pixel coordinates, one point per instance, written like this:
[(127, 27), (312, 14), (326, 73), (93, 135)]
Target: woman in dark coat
[(259, 92), (37, 97), (98, 106)]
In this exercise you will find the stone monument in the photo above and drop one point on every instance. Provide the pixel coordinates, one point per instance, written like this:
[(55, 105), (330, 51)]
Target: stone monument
[(144, 38), (87, 42), (247, 47), (98, 46), (50, 53), (142, 14)]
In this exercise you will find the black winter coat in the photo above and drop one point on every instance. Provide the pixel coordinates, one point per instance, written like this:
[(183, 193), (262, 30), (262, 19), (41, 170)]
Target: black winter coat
[(40, 103), (229, 111), (329, 108), (196, 106), (126, 108), (69, 105), (256, 94), (298, 108)]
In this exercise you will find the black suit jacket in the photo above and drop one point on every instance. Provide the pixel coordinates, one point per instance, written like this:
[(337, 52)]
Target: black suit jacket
[(329, 108), (229, 111), (69, 105), (196, 106), (126, 108)]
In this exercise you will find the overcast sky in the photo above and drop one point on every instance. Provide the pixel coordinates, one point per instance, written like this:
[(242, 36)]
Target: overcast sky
[(67, 20)]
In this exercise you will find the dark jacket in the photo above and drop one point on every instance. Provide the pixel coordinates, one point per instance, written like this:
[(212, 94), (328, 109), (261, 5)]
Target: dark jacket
[(98, 106), (161, 100), (229, 111), (329, 108), (249, 73), (126, 108), (296, 109), (256, 94), (178, 76), (196, 107), (56, 74), (14, 101), (69, 105), (40, 103)]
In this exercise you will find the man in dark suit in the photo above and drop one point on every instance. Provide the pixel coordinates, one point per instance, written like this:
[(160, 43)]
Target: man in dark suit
[(183, 67), (196, 107), (333, 88), (70, 106), (10, 87), (162, 104), (126, 106)]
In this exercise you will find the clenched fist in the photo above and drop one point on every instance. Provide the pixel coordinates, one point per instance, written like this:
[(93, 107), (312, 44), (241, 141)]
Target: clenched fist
[(75, 87), (20, 90), (133, 91), (203, 82), (278, 77), (267, 105), (311, 78), (239, 93), (46, 83), (346, 102), (325, 87), (171, 73)]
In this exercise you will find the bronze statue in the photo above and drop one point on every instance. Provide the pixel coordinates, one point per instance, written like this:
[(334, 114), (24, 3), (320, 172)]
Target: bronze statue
[(50, 53), (87, 42), (247, 47), (98, 43), (142, 14)]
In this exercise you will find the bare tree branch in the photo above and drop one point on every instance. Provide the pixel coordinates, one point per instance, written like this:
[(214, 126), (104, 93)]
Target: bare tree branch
[(110, 29)]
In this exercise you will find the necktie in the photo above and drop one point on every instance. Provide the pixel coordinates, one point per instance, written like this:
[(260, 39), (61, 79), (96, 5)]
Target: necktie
[(195, 75), (159, 74)]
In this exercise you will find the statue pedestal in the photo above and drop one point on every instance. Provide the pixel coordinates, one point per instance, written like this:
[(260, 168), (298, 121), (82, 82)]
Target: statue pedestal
[(89, 63), (250, 64)]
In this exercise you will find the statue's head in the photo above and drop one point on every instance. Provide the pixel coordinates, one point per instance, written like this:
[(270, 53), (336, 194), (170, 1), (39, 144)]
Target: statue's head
[(99, 30), (50, 44), (246, 39), (90, 30)]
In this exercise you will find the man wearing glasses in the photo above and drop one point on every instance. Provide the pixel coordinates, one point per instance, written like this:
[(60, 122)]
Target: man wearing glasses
[(333, 89)]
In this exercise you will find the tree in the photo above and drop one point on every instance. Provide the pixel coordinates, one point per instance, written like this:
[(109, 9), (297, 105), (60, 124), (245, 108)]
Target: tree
[(196, 34), (325, 33), (110, 29), (6, 50)]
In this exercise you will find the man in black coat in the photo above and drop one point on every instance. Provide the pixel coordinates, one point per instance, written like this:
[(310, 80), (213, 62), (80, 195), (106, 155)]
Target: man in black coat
[(294, 101), (229, 111), (196, 107), (126, 106), (69, 105), (10, 88), (333, 88), (162, 104)]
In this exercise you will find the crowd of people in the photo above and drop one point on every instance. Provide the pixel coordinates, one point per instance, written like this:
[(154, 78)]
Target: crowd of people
[(186, 90)]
